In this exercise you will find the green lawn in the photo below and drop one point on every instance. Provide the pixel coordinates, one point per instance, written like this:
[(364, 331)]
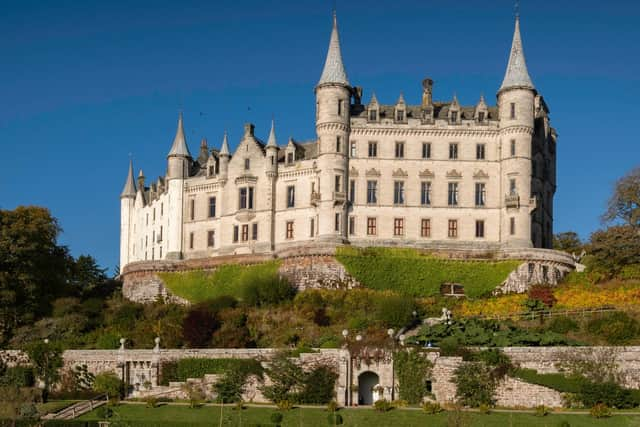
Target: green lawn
[(182, 416)]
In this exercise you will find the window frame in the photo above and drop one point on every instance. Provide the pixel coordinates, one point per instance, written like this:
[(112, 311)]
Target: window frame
[(289, 230), (398, 227), (212, 206), (372, 226), (399, 197), (425, 228), (453, 151), (453, 194), (452, 230), (211, 238)]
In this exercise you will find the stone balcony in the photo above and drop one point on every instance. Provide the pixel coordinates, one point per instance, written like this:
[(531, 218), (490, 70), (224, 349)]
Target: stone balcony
[(512, 201), (315, 198), (339, 197)]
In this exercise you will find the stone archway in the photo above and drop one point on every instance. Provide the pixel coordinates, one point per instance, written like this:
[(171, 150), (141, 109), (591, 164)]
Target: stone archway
[(366, 382)]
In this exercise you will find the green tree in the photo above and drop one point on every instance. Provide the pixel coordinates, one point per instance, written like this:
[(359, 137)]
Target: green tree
[(85, 274), (568, 241), (624, 204), (614, 248), (412, 369), (110, 384), (286, 379), (46, 359)]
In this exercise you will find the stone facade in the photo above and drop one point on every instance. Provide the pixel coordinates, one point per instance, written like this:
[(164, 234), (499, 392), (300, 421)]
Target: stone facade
[(437, 175)]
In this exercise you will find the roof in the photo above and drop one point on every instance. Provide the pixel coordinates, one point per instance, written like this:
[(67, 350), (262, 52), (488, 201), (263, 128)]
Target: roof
[(271, 142), (179, 147), (517, 74), (334, 71), (441, 111), (129, 189)]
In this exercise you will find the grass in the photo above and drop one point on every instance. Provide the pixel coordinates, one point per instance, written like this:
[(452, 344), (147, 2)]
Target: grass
[(182, 416), (54, 406), (417, 274), (200, 286)]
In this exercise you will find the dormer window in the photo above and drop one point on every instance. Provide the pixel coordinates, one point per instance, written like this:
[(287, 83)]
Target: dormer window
[(373, 115), (400, 115), (454, 117), (289, 158), (481, 116)]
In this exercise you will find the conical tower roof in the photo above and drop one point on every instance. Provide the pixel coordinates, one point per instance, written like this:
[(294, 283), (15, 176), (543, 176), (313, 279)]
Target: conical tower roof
[(179, 147), (374, 99), (271, 142), (129, 189), (334, 71), (224, 150), (517, 74)]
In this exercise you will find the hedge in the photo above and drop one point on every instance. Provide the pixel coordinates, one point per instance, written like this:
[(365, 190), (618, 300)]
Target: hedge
[(229, 279), (417, 274), (557, 382), (198, 368)]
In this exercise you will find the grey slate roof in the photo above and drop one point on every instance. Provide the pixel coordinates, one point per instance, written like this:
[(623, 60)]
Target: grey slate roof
[(334, 71), (224, 150), (517, 74), (441, 111), (179, 147), (129, 189), (271, 142)]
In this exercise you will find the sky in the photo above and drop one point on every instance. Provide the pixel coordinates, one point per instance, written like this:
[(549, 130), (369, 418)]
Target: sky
[(84, 84)]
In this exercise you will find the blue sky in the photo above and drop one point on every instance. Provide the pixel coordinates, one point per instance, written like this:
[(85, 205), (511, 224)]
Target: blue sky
[(83, 84)]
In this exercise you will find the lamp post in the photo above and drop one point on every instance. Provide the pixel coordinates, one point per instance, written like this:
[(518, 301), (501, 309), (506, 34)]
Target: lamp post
[(347, 391), (390, 332)]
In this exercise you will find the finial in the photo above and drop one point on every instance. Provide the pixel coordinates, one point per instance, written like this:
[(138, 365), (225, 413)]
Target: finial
[(517, 9)]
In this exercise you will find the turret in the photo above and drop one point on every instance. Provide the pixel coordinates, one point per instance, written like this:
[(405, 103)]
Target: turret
[(179, 157), (224, 157), (516, 109), (272, 151), (127, 199), (333, 101)]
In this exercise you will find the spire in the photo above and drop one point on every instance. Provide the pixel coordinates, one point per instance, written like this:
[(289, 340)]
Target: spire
[(517, 74), (455, 102), (374, 99), (129, 189), (401, 99), (271, 142), (482, 103), (224, 150), (334, 71), (204, 152), (179, 147)]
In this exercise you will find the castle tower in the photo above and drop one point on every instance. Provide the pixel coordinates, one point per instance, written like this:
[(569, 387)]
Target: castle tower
[(127, 199), (225, 155), (333, 100), (271, 166), (179, 161), (516, 99)]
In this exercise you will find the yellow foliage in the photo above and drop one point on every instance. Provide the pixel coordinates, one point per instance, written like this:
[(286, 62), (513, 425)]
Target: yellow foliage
[(500, 306)]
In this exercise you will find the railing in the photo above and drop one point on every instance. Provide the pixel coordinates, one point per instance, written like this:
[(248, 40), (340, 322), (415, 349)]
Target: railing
[(339, 196), (512, 201), (78, 409), (547, 313)]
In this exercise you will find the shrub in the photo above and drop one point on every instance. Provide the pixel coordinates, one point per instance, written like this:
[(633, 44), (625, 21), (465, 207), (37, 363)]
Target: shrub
[(199, 367), (104, 412), (152, 402), (542, 411), (332, 406), (259, 290), (475, 385), (19, 376), (432, 408), (276, 417), (194, 393), (484, 409), (28, 411), (110, 384), (318, 385), (616, 328), (198, 326), (412, 369), (399, 403), (382, 405), (284, 405), (609, 394), (168, 372), (395, 311), (562, 325), (334, 419), (231, 386), (600, 410), (542, 293)]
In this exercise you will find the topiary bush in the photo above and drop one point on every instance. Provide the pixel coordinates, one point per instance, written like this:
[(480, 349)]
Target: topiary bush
[(382, 405)]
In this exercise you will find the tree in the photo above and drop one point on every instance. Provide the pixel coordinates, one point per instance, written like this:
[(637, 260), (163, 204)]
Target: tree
[(198, 326), (624, 204), (612, 249), (46, 359), (568, 241), (85, 274), (110, 384)]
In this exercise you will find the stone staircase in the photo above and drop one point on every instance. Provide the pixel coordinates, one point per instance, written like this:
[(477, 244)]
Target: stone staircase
[(77, 409), (175, 389)]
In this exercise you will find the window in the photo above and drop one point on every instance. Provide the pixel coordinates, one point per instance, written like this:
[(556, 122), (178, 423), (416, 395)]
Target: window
[(337, 222), (247, 164), (212, 207), (398, 192), (513, 147), (513, 191), (453, 151), (400, 115), (512, 226), (291, 196), (453, 194), (425, 193), (154, 214), (250, 197), (160, 255), (371, 226), (353, 150), (338, 144), (146, 241), (337, 184), (289, 157), (399, 150), (190, 240), (513, 111), (246, 198), (153, 253), (147, 219), (453, 228), (479, 229), (426, 150), (235, 234), (480, 149), (245, 232), (425, 227), (372, 191), (160, 235), (373, 149), (340, 103), (481, 194), (312, 227), (454, 116), (373, 115), (481, 116), (352, 191), (352, 225), (243, 198), (192, 209), (398, 226), (211, 238), (289, 229), (161, 209)]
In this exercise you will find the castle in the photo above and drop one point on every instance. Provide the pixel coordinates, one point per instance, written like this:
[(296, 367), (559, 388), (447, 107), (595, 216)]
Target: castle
[(437, 175)]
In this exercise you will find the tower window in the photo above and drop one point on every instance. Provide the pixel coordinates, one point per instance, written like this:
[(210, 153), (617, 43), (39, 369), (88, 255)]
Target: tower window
[(289, 158), (190, 240), (291, 196), (513, 147), (340, 102), (426, 150), (480, 151), (338, 184), (512, 187), (289, 229), (312, 227), (453, 151), (245, 232), (338, 144), (399, 150), (371, 226), (372, 192), (373, 149), (453, 228), (481, 116), (235, 234), (453, 194), (512, 114), (398, 226), (479, 229), (246, 195), (212, 207), (400, 115), (192, 209), (211, 238), (454, 117), (353, 150)]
